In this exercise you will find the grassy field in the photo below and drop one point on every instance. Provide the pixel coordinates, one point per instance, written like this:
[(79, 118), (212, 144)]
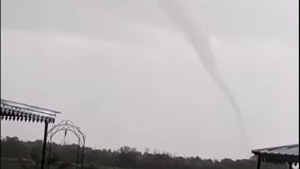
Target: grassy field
[(7, 164), (15, 164)]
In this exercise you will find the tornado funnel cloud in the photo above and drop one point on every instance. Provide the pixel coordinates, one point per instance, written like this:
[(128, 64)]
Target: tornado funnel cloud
[(202, 46)]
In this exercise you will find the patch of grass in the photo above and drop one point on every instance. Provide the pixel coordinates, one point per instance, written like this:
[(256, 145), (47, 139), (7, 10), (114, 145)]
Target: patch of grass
[(15, 164)]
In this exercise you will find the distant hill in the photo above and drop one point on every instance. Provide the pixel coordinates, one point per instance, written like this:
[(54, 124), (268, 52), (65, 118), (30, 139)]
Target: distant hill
[(125, 157)]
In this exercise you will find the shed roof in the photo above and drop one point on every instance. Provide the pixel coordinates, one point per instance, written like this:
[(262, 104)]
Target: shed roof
[(18, 111), (280, 154)]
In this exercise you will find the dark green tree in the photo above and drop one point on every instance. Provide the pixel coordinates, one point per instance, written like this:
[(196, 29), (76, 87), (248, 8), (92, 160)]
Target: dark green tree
[(64, 157)]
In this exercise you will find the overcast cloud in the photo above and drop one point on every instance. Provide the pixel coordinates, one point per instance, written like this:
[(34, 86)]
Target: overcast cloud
[(124, 72)]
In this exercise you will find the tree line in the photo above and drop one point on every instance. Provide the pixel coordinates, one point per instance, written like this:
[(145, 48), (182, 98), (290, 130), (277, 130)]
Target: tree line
[(125, 157)]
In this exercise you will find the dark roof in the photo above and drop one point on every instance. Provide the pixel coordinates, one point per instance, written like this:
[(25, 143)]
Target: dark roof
[(280, 154), (18, 111)]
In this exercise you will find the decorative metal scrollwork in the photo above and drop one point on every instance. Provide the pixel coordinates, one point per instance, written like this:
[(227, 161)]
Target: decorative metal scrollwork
[(67, 126)]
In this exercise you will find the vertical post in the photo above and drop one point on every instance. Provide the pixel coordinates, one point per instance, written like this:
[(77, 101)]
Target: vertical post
[(44, 145), (290, 165), (49, 155), (78, 151), (82, 157), (258, 161)]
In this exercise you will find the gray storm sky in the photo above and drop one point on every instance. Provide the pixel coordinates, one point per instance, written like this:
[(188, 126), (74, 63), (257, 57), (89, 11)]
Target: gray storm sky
[(124, 72)]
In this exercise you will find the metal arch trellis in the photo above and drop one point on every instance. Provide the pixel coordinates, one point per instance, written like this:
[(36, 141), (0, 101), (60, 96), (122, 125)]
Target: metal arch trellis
[(67, 125)]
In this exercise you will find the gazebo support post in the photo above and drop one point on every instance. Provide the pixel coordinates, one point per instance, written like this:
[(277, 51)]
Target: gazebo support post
[(44, 145), (19, 111), (258, 161), (290, 165)]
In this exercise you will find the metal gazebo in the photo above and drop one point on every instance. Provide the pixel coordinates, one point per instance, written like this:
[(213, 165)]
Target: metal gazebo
[(288, 154), (18, 112)]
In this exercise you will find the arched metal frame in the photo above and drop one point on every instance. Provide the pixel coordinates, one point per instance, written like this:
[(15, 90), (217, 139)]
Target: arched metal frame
[(67, 125)]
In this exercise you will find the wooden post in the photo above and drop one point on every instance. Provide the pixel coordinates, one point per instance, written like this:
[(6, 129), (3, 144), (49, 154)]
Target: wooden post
[(258, 161), (290, 165), (44, 145)]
